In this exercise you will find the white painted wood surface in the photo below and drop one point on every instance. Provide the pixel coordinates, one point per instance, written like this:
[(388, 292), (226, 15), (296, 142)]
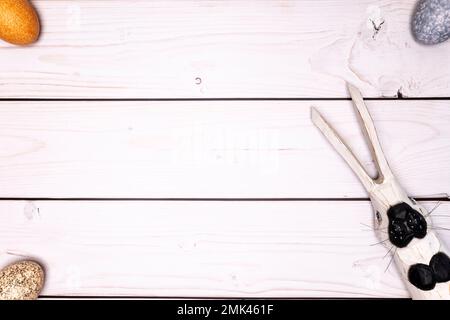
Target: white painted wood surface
[(239, 48), (220, 149), (198, 248), (213, 149)]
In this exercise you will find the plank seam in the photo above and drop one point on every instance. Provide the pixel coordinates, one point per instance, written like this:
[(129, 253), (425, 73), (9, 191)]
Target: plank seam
[(211, 298), (214, 99), (441, 199)]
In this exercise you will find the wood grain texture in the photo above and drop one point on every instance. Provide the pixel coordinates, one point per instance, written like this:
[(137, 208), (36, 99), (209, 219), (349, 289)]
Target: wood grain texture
[(212, 149), (239, 48), (198, 248)]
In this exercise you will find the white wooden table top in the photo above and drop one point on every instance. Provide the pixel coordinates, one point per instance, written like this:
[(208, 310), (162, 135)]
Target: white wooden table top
[(164, 148)]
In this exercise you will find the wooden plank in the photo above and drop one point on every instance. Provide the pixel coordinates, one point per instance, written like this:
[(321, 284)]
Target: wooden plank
[(212, 149), (198, 248), (239, 48)]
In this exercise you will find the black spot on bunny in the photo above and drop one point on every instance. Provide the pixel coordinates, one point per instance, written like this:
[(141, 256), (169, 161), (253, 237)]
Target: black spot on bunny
[(425, 277), (440, 265)]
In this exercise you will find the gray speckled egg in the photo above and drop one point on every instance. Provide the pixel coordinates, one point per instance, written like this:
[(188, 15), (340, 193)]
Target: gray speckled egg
[(431, 21)]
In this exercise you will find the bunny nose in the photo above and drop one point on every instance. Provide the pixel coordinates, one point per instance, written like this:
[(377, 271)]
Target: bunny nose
[(405, 224)]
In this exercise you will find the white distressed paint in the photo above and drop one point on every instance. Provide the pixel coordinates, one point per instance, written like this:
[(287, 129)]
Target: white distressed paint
[(212, 149), (209, 249), (239, 48)]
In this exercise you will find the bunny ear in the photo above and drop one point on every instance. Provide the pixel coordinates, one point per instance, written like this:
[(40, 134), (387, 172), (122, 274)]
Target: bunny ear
[(370, 133), (341, 147)]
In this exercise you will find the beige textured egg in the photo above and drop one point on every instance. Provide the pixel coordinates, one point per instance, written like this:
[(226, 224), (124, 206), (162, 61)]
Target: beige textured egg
[(19, 22), (21, 281)]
